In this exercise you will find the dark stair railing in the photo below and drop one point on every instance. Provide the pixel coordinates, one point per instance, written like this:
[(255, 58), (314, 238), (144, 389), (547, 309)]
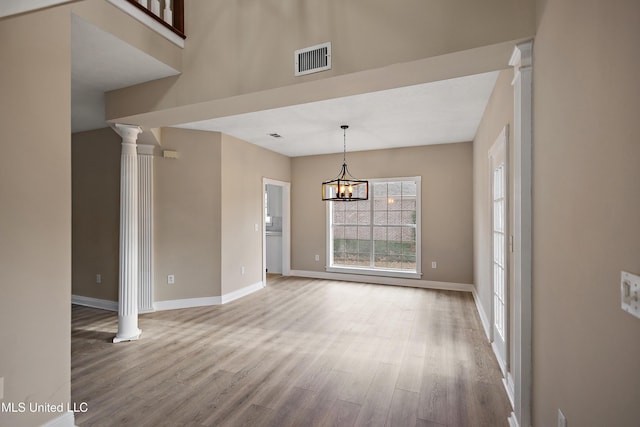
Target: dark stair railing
[(169, 13)]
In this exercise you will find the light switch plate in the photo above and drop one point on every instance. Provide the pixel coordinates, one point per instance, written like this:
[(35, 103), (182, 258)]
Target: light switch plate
[(630, 293)]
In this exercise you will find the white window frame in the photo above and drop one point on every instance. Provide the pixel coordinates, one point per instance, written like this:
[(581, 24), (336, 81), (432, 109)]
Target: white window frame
[(379, 271)]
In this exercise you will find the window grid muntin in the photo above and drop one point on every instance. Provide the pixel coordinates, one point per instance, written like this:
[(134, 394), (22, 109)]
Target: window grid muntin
[(499, 249), (401, 253)]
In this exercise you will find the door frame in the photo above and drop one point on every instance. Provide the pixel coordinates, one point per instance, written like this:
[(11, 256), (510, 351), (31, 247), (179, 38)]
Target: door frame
[(286, 227)]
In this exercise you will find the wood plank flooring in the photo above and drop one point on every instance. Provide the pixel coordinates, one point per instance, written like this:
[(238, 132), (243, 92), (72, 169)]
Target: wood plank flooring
[(301, 352)]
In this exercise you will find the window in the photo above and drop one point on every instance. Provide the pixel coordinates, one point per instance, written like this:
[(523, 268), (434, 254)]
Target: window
[(379, 236), (267, 217)]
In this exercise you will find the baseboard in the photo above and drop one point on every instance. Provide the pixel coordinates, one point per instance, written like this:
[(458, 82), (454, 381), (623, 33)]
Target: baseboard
[(383, 280), (102, 304), (186, 303), (206, 301), (509, 385), (486, 325), (502, 363), (64, 420), (242, 292), (513, 421)]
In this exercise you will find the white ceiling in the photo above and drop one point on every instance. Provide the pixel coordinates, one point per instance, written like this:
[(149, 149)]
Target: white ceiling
[(101, 62), (432, 113)]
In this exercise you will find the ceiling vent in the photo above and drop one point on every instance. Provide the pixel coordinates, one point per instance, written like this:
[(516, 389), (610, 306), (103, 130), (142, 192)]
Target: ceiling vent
[(313, 59)]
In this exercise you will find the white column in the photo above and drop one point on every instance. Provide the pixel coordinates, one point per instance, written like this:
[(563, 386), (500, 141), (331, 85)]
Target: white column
[(145, 228), (522, 61), (128, 289)]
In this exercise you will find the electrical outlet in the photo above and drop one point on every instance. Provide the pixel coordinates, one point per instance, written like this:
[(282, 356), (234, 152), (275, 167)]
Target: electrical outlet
[(98, 278), (562, 420), (434, 264), (171, 279), (317, 257), (242, 270)]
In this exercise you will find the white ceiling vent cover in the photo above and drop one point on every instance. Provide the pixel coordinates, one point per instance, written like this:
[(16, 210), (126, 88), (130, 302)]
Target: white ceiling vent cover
[(313, 59)]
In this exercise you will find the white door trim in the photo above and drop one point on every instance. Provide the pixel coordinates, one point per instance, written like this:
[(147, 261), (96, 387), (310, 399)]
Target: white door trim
[(522, 62), (286, 227)]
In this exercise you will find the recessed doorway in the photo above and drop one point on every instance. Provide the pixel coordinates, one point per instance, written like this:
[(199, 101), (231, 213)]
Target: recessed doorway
[(276, 243)]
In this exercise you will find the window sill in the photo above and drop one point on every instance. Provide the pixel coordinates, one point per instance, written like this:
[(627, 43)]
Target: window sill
[(374, 272)]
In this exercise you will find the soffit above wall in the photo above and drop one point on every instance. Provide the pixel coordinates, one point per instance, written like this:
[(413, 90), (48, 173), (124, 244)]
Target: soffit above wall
[(101, 62)]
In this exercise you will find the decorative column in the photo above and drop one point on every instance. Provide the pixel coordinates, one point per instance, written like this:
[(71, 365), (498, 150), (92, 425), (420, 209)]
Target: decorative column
[(145, 228), (522, 63), (128, 289)]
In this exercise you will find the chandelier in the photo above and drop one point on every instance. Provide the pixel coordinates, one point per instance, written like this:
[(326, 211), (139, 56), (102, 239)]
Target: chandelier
[(344, 187)]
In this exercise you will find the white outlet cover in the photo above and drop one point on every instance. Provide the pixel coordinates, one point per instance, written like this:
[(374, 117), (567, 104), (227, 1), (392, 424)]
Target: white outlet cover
[(171, 279), (630, 293)]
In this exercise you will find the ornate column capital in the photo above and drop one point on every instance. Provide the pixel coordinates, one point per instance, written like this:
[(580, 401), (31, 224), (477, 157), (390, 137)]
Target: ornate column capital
[(128, 133)]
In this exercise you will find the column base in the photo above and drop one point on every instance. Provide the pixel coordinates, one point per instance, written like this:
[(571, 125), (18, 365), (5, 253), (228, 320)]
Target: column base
[(118, 338)]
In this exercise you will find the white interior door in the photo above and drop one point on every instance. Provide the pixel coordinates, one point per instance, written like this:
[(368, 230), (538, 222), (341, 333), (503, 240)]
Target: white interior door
[(499, 192)]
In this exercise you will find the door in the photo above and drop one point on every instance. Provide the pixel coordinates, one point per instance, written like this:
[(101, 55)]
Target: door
[(499, 276), (276, 245)]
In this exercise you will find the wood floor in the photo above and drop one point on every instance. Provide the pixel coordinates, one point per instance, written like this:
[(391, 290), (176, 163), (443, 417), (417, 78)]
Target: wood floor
[(301, 352)]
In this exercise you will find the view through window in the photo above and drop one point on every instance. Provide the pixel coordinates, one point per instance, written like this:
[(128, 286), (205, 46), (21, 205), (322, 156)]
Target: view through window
[(379, 234)]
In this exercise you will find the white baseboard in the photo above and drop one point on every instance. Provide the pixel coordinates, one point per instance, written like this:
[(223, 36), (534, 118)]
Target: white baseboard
[(513, 421), (507, 380), (186, 303), (383, 280), (102, 304), (501, 362), (206, 301), (64, 420), (242, 292), (486, 324), (509, 385)]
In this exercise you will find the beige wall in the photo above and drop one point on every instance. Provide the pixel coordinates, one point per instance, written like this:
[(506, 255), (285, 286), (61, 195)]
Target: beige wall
[(497, 115), (207, 203), (586, 200), (187, 216), (447, 204), (112, 20), (239, 48), (96, 213), (35, 212), (243, 167)]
